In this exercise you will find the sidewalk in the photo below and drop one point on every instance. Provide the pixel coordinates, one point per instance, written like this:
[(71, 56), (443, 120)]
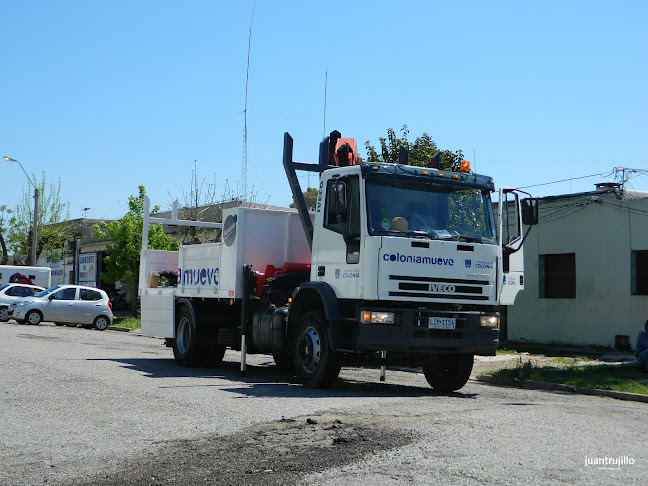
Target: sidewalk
[(554, 356)]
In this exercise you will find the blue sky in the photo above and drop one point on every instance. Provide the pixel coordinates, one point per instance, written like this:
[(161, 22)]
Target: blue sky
[(108, 95)]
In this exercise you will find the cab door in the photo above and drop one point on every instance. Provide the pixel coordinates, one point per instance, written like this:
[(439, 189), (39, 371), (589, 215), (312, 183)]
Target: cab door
[(337, 250), (88, 306), (61, 306), (511, 270)]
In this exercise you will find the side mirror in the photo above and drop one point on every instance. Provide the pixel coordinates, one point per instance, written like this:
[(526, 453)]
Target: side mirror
[(529, 211)]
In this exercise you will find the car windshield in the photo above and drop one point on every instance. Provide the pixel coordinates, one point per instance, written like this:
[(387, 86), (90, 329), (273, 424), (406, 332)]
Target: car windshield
[(45, 292), (425, 209), (2, 287)]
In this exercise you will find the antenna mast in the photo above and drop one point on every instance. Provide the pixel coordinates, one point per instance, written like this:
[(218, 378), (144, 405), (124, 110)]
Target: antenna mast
[(247, 79)]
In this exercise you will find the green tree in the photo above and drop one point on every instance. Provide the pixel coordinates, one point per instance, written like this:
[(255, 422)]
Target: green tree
[(53, 228), (125, 236), (4, 213), (420, 152), (310, 196)]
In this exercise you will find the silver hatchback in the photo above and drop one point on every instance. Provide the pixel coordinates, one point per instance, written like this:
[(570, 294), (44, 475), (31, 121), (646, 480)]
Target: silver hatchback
[(65, 304)]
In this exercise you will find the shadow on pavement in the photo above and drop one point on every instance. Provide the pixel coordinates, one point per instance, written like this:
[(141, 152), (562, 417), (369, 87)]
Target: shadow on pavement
[(270, 381)]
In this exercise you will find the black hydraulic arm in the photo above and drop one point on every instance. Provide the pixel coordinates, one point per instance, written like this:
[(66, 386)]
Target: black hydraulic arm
[(291, 167)]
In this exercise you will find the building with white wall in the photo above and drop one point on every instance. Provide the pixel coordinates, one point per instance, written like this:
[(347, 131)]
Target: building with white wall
[(586, 271)]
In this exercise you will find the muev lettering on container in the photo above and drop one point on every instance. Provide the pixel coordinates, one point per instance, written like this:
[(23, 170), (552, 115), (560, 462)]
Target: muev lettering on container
[(423, 260), (199, 276)]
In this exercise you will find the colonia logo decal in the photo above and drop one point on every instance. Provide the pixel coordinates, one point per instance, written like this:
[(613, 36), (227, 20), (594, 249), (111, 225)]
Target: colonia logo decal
[(423, 260), (484, 265), (346, 273)]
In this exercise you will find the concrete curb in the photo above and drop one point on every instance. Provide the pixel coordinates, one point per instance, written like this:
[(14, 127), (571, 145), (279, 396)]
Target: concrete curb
[(117, 328), (543, 385)]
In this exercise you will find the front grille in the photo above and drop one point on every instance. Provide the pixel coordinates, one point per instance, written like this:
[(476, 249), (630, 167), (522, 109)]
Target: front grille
[(439, 288)]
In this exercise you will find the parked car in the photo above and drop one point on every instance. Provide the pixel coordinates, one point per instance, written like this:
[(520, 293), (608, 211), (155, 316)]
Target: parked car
[(65, 304), (12, 291)]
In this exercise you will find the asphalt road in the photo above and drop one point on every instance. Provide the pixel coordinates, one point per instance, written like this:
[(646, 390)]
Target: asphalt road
[(80, 406)]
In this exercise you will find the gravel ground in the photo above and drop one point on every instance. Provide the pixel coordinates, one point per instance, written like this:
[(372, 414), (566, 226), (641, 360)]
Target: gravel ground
[(80, 407)]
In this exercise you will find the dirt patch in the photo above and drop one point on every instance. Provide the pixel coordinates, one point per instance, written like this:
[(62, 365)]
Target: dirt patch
[(277, 453)]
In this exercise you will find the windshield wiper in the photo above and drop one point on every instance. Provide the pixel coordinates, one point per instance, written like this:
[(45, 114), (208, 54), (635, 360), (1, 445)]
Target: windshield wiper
[(420, 234), (468, 239)]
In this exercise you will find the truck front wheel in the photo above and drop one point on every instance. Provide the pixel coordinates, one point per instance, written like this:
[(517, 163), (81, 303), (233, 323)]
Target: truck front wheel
[(188, 347), (317, 366), (448, 373)]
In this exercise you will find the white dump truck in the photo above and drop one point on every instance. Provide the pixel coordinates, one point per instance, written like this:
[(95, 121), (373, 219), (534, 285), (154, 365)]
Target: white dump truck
[(398, 265)]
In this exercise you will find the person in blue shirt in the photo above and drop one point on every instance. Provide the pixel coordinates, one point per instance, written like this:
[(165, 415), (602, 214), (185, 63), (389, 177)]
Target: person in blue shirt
[(641, 351)]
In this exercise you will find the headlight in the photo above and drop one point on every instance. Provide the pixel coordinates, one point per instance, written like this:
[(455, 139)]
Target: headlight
[(490, 321), (368, 317)]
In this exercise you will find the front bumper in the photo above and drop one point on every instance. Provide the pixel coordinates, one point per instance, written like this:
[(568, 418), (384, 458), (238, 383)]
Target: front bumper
[(16, 313), (411, 334)]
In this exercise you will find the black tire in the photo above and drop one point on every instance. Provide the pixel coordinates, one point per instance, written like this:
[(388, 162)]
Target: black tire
[(316, 365), (189, 346), (283, 361), (448, 373), (34, 318), (4, 314), (101, 323), (216, 351)]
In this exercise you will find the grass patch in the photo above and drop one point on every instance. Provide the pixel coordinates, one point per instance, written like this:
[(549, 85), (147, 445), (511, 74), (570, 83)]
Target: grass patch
[(128, 322), (565, 361), (505, 351), (604, 377)]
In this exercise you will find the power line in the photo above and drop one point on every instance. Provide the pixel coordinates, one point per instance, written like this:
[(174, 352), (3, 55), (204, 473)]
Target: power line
[(570, 179)]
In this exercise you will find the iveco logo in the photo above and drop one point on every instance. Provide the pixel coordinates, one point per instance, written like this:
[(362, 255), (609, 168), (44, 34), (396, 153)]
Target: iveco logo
[(447, 289)]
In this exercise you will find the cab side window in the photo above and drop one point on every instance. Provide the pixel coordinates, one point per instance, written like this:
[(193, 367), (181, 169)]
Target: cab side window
[(87, 294), (64, 294), (17, 291), (342, 213)]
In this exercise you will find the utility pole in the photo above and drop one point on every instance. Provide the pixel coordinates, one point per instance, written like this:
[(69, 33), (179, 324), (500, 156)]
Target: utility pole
[(32, 256)]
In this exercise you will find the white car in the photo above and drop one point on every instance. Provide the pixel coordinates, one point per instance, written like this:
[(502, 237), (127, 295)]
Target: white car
[(12, 291), (65, 304)]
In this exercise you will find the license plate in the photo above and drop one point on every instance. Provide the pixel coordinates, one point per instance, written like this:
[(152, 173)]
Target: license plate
[(442, 323)]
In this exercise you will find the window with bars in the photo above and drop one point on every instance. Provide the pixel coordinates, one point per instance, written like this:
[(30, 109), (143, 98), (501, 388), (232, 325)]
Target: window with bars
[(558, 276), (640, 272)]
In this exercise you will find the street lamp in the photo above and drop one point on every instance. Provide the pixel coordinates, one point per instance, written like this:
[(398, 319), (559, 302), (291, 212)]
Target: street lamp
[(35, 227)]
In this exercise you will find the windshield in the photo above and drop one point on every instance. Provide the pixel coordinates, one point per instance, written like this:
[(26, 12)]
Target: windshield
[(4, 286), (45, 292), (428, 210)]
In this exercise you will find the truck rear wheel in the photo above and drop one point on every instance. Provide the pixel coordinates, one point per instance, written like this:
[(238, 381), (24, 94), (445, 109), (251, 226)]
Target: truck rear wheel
[(448, 373), (317, 366), (189, 349)]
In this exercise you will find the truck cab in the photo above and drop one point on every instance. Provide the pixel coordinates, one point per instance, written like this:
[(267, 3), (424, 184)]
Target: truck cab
[(407, 261)]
